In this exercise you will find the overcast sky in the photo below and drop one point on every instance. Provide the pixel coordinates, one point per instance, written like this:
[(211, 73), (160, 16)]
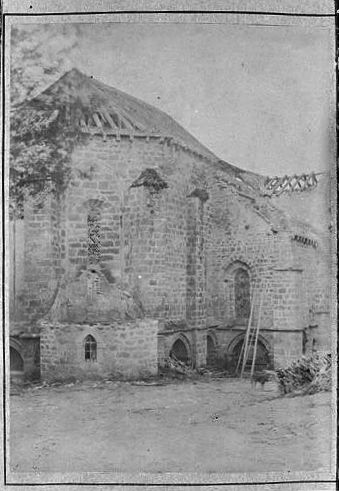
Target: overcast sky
[(257, 96)]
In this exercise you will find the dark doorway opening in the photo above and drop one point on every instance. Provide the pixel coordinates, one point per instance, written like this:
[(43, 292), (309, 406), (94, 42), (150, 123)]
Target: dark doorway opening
[(16, 361), (262, 361), (211, 358), (180, 352)]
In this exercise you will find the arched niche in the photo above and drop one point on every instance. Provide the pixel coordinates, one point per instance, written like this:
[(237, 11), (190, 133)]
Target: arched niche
[(16, 360), (263, 353), (211, 351), (181, 350)]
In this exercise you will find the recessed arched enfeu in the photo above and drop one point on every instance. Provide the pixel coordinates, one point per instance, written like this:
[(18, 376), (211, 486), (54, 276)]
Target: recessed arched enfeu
[(263, 358), (16, 360), (181, 350)]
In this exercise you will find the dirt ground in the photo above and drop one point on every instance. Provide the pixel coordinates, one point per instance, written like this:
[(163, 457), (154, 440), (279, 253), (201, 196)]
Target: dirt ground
[(221, 425)]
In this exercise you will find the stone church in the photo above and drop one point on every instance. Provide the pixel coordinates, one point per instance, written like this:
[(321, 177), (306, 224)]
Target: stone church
[(156, 246)]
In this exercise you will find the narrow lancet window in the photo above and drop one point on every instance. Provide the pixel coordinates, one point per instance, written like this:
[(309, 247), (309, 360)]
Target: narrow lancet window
[(242, 293), (90, 348)]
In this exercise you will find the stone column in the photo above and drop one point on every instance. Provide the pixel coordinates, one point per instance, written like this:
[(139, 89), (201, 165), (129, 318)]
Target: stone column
[(39, 258), (200, 347), (144, 243), (196, 273)]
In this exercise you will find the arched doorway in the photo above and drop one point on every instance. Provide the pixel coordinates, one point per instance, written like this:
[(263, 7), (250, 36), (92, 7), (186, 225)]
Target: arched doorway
[(262, 362), (180, 351), (211, 356), (16, 361)]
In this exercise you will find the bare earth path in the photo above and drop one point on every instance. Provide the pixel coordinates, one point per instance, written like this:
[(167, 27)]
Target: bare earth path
[(217, 426)]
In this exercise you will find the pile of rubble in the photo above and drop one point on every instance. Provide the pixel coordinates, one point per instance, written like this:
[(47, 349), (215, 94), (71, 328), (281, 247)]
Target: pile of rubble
[(309, 374), (176, 368)]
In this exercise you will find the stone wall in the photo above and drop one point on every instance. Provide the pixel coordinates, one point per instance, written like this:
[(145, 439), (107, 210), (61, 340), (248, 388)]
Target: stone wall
[(36, 272), (316, 299), (288, 347), (196, 264), (127, 350), (116, 248), (237, 237), (295, 277), (142, 233)]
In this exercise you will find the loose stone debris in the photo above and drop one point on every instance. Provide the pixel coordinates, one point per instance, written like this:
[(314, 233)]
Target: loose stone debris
[(308, 375)]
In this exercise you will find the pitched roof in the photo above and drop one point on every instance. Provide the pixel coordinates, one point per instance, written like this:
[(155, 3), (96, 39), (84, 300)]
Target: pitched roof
[(78, 99), (82, 102)]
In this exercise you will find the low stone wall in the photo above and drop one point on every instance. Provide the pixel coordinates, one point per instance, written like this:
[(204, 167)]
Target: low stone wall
[(125, 350)]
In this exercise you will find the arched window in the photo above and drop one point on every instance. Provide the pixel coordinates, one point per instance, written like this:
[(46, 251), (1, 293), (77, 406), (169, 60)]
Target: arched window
[(90, 348), (242, 293)]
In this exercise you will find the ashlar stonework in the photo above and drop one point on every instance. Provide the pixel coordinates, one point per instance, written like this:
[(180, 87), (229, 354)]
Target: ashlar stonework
[(156, 246)]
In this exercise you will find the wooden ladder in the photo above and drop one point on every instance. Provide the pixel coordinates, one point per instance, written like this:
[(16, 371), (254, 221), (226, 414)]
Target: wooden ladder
[(252, 335)]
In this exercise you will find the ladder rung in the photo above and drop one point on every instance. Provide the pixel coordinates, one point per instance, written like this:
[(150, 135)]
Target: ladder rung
[(252, 333)]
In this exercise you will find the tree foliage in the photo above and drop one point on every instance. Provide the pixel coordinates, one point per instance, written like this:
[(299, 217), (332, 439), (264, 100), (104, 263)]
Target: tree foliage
[(40, 54), (40, 147), (39, 157)]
